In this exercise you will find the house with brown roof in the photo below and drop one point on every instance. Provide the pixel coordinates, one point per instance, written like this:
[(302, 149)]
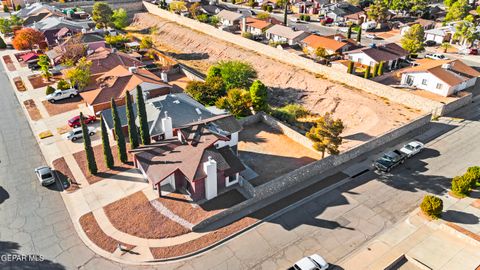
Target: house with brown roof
[(331, 45), (116, 82), (104, 59), (442, 77), (283, 34), (390, 54), (256, 27)]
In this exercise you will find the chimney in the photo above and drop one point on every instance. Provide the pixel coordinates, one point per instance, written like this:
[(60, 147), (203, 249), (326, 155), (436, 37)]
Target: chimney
[(167, 126), (244, 24), (133, 69), (446, 66), (164, 77), (210, 169)]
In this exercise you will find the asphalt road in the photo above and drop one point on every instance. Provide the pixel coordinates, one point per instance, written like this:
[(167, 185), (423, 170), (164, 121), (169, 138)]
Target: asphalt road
[(34, 221)]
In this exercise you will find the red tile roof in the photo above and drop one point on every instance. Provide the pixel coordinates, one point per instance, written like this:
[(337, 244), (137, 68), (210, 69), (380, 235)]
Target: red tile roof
[(104, 59), (315, 41)]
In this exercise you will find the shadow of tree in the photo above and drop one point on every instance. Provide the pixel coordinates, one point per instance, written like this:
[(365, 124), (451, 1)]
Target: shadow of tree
[(3, 195), (459, 217), (12, 259)]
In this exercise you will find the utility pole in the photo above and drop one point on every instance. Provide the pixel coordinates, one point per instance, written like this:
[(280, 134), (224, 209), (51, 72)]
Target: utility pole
[(285, 13)]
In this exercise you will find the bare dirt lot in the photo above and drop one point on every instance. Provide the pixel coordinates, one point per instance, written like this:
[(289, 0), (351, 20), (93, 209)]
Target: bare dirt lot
[(364, 115), (270, 153)]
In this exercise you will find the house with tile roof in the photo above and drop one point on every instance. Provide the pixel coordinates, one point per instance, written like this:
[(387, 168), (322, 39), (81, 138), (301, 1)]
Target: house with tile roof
[(116, 82), (104, 59), (331, 45), (229, 20), (442, 77), (254, 26), (390, 54), (282, 34)]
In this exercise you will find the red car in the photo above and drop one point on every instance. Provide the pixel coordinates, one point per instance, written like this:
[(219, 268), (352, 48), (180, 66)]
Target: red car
[(75, 121)]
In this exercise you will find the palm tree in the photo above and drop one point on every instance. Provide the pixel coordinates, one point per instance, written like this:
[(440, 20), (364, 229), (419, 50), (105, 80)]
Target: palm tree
[(445, 46)]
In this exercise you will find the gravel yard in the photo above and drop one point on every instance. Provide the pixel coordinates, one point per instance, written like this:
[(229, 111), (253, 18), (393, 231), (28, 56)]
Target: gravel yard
[(365, 115)]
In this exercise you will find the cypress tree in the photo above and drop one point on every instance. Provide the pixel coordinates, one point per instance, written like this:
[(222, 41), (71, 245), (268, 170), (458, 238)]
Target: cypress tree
[(285, 21), (91, 163), (122, 147), (107, 151), (350, 67), (367, 73), (380, 69), (349, 32), (132, 128), (375, 70), (142, 117), (359, 35)]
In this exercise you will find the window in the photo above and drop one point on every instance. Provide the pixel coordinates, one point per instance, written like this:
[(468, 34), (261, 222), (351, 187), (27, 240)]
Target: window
[(424, 82), (439, 86), (230, 180)]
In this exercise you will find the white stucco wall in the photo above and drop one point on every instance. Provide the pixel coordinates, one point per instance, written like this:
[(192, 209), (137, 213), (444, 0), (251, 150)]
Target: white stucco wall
[(431, 83)]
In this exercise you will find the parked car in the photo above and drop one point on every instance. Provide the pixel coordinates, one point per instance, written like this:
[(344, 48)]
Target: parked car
[(472, 51), (370, 25), (430, 43), (33, 64), (75, 121), (412, 148), (294, 19), (62, 94), (389, 160), (45, 175), (371, 36), (436, 56), (312, 262), (341, 24), (77, 133), (326, 20), (343, 30)]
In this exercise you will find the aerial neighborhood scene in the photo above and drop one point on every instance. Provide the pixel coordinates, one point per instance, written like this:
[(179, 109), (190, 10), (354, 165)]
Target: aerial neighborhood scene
[(240, 134)]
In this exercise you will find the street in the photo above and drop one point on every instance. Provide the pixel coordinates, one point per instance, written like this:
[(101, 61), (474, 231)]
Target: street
[(34, 221)]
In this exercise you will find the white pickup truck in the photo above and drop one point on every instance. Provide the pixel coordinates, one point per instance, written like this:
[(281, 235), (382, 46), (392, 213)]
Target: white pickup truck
[(62, 94), (312, 262)]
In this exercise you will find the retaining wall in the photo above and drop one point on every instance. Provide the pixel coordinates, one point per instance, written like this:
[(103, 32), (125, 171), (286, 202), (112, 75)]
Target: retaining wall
[(302, 177), (454, 105), (402, 97), (131, 6)]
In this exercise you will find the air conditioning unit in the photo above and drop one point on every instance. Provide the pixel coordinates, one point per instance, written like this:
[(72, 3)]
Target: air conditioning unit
[(446, 66)]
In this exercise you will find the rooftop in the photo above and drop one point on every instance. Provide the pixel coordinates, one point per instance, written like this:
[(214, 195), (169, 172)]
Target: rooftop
[(229, 15), (104, 59), (316, 41), (284, 31)]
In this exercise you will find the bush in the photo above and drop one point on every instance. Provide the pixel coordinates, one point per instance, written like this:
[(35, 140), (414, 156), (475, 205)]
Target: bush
[(269, 8), (432, 206), (472, 176), (247, 35), (63, 85), (49, 90), (202, 18), (302, 17), (475, 170), (460, 186), (307, 18), (290, 113), (264, 8)]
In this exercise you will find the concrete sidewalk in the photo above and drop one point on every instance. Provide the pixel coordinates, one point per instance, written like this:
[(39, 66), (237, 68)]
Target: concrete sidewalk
[(424, 244)]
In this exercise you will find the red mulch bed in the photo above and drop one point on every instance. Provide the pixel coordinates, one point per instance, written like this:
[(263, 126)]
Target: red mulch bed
[(194, 213), (19, 84), (37, 81), (62, 106), (202, 242), (65, 174), (135, 215), (103, 171), (9, 63), (32, 110), (95, 233)]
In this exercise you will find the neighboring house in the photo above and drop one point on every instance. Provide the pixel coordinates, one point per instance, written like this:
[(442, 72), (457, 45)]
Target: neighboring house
[(229, 20), (104, 59), (442, 77), (426, 25), (115, 83), (332, 46), (390, 54), (254, 26), (36, 18), (282, 34), (356, 18), (211, 10), (339, 11), (29, 56), (193, 164), (55, 22), (34, 9), (91, 41), (440, 35)]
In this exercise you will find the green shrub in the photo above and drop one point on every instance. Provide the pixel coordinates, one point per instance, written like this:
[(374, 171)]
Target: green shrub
[(472, 176), (269, 8), (432, 206), (307, 18), (202, 18), (475, 170), (247, 35), (49, 90), (63, 85), (264, 8), (290, 113), (460, 186)]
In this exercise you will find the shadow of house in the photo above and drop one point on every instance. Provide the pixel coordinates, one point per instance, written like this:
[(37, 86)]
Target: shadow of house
[(3, 195), (28, 261)]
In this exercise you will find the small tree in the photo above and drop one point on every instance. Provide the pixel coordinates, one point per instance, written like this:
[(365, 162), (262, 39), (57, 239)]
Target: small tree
[(445, 46), (375, 70), (321, 53), (207, 92), (132, 127), (18, 7), (193, 9), (27, 38), (366, 75), (380, 69), (359, 35), (117, 125), (63, 85), (146, 43), (44, 67), (259, 95), (378, 11), (91, 163), (460, 186), (120, 18), (326, 135), (351, 66), (49, 90), (237, 101), (432, 206), (349, 32), (177, 6), (79, 76), (412, 40), (102, 14), (107, 150), (236, 74), (263, 15), (5, 9), (142, 117), (270, 9), (2, 44)]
